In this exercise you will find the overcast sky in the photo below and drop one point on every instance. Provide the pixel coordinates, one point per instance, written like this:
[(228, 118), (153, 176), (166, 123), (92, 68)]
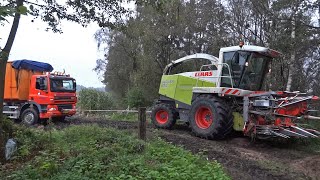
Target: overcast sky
[(75, 50)]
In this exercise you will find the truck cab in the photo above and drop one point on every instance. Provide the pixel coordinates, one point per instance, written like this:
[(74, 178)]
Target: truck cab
[(56, 95)]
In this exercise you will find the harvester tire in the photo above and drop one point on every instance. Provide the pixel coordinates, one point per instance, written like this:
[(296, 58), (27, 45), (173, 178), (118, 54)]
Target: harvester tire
[(211, 118), (29, 117), (163, 116)]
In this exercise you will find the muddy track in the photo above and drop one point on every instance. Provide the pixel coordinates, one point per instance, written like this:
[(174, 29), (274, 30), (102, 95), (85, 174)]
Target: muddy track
[(240, 158), (245, 160)]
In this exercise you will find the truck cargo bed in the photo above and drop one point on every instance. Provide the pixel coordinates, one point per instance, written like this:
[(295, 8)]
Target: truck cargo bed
[(17, 83)]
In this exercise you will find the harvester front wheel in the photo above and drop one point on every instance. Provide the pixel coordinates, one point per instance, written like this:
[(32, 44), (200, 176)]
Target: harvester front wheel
[(163, 116), (210, 117)]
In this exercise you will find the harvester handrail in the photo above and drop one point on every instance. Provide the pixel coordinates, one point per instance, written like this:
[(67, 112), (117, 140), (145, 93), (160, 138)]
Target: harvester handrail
[(218, 64)]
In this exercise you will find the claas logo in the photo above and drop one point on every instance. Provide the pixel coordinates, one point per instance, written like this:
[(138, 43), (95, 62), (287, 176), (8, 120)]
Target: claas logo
[(197, 74)]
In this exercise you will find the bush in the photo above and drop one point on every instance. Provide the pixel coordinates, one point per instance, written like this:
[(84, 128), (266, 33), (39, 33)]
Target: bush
[(135, 98), (91, 99)]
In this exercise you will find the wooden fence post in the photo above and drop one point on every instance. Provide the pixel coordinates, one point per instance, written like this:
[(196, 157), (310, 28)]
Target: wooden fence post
[(142, 123)]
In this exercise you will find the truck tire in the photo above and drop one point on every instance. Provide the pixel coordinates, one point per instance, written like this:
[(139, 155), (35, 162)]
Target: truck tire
[(211, 118), (163, 116), (29, 117)]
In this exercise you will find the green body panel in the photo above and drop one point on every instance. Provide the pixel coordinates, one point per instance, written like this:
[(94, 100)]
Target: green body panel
[(180, 87), (238, 122)]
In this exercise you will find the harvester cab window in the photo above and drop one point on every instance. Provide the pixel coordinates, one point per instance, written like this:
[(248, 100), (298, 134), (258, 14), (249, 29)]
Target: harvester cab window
[(256, 68), (192, 66), (236, 61)]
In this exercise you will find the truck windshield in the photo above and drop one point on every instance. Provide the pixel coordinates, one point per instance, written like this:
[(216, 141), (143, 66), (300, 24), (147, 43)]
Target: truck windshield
[(62, 85)]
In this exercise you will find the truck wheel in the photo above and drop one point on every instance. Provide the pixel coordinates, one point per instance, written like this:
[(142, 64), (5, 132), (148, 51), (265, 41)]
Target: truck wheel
[(210, 118), (29, 117), (163, 116)]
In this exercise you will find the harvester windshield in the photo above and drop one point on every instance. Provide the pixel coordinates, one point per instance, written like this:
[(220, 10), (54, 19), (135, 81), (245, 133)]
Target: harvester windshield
[(248, 69)]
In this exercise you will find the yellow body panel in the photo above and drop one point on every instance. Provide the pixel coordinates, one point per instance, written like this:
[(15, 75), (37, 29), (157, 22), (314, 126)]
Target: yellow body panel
[(238, 122)]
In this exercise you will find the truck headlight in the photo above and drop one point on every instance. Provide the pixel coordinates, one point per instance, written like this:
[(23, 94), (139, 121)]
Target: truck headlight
[(52, 109)]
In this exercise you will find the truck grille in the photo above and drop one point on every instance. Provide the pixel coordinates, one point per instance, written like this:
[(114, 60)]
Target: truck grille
[(62, 98), (64, 106)]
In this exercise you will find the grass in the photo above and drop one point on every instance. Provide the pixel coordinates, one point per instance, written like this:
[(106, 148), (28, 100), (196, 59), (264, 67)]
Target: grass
[(92, 152), (122, 116), (117, 116), (311, 145)]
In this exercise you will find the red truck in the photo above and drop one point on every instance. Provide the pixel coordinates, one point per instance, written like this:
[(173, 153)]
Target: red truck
[(33, 93)]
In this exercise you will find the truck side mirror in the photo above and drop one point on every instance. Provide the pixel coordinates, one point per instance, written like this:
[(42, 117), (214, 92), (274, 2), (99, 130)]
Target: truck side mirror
[(74, 85)]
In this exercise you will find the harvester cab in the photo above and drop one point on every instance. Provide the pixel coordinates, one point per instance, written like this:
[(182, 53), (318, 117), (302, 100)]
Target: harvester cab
[(218, 95)]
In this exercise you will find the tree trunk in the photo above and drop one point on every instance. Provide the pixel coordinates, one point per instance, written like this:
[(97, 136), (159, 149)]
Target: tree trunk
[(293, 54), (2, 77), (6, 51), (4, 55), (291, 69)]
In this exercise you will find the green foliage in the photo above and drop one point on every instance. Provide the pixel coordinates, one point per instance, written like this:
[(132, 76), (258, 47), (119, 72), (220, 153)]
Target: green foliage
[(136, 98), (5, 12), (91, 99), (6, 127), (91, 152), (22, 10)]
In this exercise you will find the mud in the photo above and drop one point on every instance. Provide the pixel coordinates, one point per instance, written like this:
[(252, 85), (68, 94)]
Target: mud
[(241, 158)]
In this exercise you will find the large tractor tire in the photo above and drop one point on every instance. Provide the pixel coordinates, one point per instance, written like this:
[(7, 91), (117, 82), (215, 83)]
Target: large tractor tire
[(29, 117), (210, 118), (163, 116)]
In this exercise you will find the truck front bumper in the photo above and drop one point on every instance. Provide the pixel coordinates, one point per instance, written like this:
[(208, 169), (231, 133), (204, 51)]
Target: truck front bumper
[(52, 112)]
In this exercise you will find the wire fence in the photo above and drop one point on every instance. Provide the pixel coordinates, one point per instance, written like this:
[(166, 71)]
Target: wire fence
[(117, 111), (142, 122)]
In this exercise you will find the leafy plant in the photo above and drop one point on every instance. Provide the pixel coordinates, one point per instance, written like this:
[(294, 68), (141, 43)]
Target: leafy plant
[(91, 99), (135, 97), (123, 116), (92, 152)]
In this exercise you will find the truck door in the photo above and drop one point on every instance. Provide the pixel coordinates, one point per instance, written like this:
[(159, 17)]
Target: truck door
[(39, 90)]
